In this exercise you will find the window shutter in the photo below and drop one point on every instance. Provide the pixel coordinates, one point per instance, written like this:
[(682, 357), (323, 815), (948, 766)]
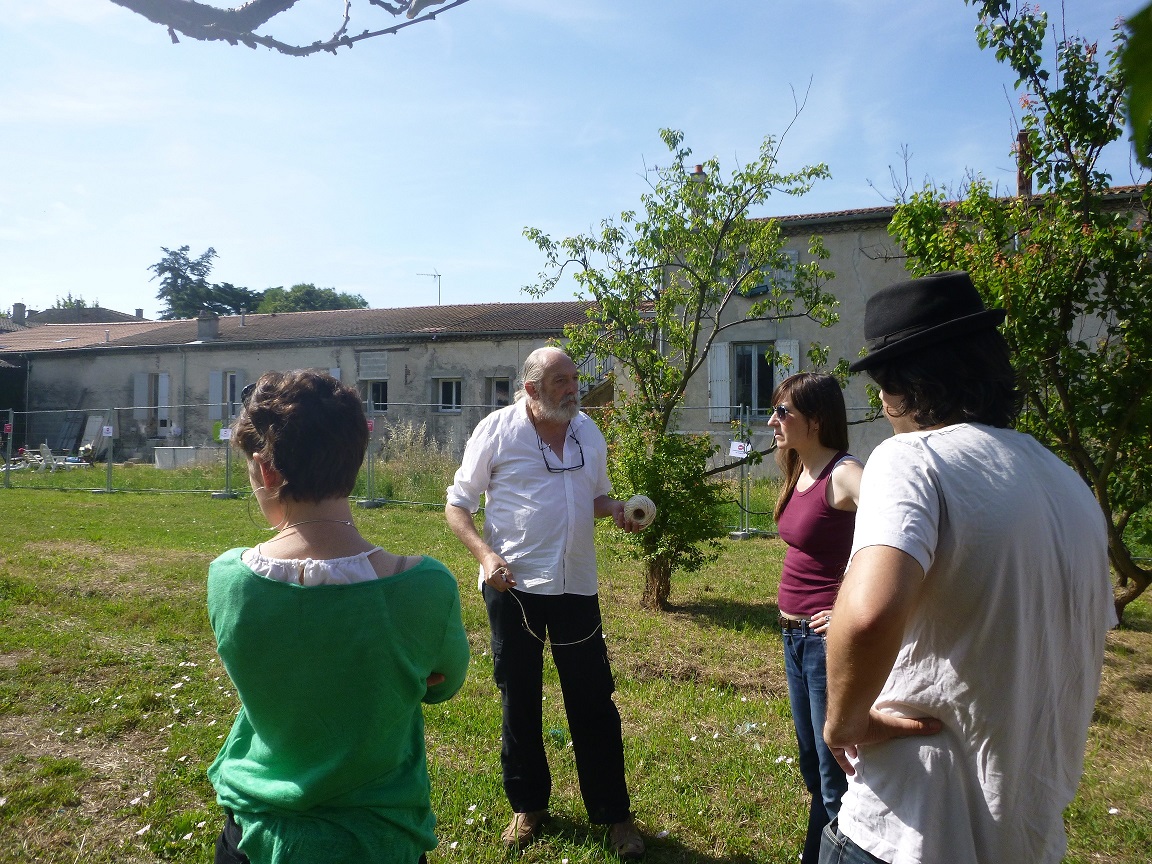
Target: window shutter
[(162, 400), (215, 394), (787, 364), (719, 383), (140, 396)]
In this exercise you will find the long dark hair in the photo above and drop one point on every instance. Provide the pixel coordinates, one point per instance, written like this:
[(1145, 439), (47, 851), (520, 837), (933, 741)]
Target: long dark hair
[(968, 380), (818, 398)]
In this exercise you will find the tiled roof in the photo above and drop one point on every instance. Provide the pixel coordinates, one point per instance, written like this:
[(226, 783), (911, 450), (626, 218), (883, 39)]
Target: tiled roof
[(78, 315), (493, 320), (1116, 196)]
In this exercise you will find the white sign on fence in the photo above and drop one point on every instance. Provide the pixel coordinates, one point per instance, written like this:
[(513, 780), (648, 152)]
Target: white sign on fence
[(739, 449), (106, 431), (225, 433)]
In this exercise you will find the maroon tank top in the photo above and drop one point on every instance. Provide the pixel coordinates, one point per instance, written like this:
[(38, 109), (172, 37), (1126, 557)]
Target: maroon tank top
[(819, 539)]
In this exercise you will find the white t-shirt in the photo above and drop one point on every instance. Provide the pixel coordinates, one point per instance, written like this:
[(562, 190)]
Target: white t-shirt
[(1005, 647), (538, 520)]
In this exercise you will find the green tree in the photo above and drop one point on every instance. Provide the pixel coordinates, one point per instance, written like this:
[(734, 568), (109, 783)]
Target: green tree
[(1137, 65), (306, 297), (1072, 268), (665, 284), (71, 302), (183, 282), (186, 292)]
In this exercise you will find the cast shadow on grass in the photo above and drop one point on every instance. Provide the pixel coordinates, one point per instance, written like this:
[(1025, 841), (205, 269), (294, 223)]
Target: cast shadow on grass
[(666, 850), (738, 615)]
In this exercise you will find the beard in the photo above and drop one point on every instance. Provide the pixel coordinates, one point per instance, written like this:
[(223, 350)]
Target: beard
[(562, 411)]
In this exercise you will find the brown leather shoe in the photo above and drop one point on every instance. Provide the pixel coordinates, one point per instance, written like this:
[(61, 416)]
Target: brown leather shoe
[(625, 840), (523, 827)]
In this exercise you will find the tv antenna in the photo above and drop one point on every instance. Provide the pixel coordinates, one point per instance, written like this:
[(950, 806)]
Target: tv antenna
[(435, 276)]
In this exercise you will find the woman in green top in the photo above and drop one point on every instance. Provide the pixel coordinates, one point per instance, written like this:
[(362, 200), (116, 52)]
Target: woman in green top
[(332, 644)]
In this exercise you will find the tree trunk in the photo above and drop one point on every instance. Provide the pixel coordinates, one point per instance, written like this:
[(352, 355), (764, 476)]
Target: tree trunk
[(1131, 577), (657, 585)]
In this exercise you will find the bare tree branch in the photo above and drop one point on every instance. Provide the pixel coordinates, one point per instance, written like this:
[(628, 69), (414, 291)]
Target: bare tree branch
[(238, 25)]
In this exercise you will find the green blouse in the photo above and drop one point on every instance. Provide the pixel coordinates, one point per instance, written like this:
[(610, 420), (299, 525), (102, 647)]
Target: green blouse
[(326, 761)]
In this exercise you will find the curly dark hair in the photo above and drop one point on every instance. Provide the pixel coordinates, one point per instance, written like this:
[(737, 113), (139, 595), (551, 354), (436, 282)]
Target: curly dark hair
[(310, 428), (963, 380)]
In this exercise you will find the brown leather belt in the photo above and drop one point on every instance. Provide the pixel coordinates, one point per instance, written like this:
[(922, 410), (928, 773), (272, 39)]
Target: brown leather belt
[(787, 625)]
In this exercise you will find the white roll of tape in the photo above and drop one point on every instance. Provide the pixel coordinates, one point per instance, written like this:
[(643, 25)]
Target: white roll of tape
[(640, 509)]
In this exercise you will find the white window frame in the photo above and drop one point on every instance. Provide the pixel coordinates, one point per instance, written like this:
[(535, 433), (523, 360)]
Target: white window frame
[(373, 404), (722, 406), (224, 389), (151, 401), (490, 387), (453, 405), (786, 276)]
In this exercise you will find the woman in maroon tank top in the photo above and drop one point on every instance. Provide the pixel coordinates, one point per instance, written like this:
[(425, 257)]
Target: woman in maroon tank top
[(815, 515)]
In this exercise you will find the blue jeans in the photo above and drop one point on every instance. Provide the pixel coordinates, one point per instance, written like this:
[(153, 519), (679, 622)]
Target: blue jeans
[(587, 685), (838, 849), (804, 653)]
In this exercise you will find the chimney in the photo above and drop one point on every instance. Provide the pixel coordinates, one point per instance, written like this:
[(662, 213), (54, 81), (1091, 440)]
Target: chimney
[(140, 314), (1023, 165), (18, 310), (207, 326)]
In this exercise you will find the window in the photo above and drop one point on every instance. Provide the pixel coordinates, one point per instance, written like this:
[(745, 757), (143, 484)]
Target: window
[(231, 404), (224, 389), (740, 376), (150, 403), (752, 383), (377, 396), (498, 392), (783, 275), (449, 390)]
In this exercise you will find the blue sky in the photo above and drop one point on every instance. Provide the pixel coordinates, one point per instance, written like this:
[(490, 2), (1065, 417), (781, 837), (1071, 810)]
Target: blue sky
[(431, 150)]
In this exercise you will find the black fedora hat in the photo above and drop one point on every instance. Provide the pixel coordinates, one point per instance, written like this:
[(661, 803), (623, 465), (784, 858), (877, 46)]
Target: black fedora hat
[(912, 314)]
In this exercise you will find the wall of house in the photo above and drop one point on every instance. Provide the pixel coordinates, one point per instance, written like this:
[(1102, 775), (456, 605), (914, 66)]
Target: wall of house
[(864, 259), (68, 384)]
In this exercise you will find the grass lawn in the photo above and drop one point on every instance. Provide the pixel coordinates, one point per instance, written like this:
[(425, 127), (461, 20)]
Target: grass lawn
[(112, 701)]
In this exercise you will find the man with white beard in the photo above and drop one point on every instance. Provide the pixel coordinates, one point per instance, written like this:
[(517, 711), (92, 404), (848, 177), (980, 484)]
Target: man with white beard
[(541, 465)]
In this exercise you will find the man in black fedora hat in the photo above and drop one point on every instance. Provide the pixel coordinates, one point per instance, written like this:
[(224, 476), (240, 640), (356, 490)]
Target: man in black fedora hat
[(967, 640)]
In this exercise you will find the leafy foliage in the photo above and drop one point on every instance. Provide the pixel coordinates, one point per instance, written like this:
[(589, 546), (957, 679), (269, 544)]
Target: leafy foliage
[(185, 290), (70, 302), (306, 297), (1071, 267), (1136, 62), (666, 282), (672, 470)]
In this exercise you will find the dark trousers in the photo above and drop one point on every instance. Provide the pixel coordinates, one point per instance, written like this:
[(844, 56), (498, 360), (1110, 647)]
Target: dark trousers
[(586, 682), (228, 843)]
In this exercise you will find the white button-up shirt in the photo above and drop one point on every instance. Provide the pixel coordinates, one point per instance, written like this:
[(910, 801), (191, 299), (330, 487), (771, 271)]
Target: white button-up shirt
[(537, 520)]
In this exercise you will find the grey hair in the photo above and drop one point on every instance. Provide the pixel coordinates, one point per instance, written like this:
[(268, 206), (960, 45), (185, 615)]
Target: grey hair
[(533, 370)]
